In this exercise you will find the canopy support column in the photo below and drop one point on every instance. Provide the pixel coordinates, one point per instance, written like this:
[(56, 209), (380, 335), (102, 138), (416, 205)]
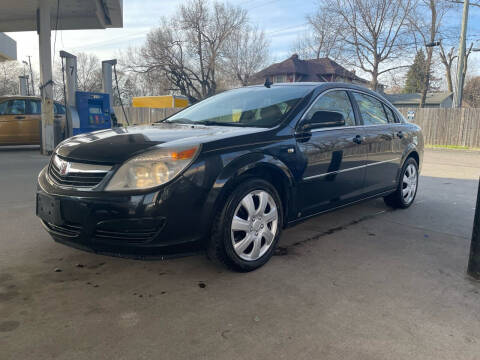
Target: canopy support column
[(46, 87)]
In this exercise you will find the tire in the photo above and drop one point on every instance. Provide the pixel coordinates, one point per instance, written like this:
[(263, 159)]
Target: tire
[(407, 188), (254, 232)]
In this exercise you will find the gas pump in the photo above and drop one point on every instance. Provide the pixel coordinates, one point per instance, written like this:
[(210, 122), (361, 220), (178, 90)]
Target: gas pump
[(93, 112), (87, 111)]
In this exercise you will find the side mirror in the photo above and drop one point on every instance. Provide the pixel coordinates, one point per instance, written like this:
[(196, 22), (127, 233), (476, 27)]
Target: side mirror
[(324, 119)]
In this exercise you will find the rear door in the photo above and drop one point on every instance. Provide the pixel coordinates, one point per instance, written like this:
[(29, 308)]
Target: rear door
[(382, 158), (400, 138), (34, 112), (334, 158)]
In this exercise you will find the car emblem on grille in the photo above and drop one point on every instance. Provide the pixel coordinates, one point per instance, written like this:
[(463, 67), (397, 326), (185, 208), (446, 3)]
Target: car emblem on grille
[(64, 167)]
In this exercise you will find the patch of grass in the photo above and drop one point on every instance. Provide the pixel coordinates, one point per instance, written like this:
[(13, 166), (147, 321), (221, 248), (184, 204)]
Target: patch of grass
[(452, 147)]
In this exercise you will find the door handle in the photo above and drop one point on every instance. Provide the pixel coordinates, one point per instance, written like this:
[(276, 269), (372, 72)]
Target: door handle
[(400, 134), (19, 117), (358, 139)]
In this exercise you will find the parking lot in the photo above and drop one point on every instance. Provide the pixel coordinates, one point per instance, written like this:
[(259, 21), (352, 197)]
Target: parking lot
[(365, 282)]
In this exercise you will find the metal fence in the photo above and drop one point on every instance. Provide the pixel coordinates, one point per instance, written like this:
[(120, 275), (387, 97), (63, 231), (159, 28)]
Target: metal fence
[(454, 127), (457, 127)]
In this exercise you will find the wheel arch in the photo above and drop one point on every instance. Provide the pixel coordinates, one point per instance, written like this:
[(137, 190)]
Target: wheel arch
[(412, 151), (253, 165)]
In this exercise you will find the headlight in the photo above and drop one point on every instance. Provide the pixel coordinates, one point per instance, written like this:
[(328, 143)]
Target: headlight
[(151, 169)]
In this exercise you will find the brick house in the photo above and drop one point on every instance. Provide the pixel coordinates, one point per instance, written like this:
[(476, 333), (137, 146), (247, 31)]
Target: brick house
[(315, 70)]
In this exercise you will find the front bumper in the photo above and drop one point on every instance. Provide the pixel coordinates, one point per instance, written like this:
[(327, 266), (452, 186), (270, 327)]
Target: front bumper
[(160, 223)]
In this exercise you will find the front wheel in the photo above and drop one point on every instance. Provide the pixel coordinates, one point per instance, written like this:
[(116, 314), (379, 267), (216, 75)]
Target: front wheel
[(246, 230), (405, 194)]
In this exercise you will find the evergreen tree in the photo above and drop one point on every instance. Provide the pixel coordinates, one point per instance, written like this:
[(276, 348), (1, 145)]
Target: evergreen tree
[(416, 74)]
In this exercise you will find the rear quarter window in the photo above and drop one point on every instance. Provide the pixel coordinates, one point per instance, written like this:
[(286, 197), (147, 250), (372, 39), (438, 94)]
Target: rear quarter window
[(59, 109), (3, 108), (371, 109), (390, 114), (34, 107)]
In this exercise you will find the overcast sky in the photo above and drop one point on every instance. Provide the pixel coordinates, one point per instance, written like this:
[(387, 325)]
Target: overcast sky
[(283, 21)]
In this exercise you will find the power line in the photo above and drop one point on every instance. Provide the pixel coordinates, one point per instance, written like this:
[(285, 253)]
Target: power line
[(265, 3), (286, 28)]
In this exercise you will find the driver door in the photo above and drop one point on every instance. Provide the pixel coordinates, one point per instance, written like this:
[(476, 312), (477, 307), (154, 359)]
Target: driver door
[(334, 158)]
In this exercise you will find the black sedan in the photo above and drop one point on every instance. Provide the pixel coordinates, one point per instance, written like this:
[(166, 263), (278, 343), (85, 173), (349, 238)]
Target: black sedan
[(230, 172)]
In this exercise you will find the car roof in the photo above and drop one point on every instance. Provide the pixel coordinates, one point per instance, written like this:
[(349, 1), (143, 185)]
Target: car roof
[(326, 85), (26, 97), (330, 85)]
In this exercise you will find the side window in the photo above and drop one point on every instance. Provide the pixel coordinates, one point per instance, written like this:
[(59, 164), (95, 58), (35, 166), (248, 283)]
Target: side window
[(3, 108), (334, 101), (34, 107), (16, 107), (371, 110), (60, 109), (390, 114)]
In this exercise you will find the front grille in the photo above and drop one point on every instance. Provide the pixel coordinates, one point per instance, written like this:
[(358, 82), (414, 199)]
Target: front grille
[(68, 230), (76, 174)]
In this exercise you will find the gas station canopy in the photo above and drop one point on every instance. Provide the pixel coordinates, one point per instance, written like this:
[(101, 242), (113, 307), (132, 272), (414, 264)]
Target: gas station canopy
[(21, 15), (44, 16)]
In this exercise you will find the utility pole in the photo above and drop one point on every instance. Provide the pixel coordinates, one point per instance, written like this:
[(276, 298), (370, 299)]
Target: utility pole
[(26, 76), (461, 55), (31, 75)]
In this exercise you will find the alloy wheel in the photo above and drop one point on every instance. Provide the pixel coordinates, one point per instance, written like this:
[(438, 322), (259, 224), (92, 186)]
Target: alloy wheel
[(254, 225), (409, 183)]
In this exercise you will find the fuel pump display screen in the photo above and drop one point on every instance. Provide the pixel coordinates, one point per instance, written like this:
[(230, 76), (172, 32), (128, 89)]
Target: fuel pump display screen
[(95, 110)]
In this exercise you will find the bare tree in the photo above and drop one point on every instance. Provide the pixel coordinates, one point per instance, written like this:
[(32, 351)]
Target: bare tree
[(372, 31), (89, 75), (9, 73), (425, 20), (472, 91), (246, 52), (322, 38), (447, 61), (188, 48), (89, 72), (132, 83)]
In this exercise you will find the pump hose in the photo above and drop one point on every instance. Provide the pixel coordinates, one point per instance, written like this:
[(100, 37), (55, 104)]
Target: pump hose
[(67, 125), (119, 96)]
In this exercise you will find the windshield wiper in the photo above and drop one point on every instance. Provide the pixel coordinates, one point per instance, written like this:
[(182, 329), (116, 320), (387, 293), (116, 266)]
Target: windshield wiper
[(178, 121), (211, 122)]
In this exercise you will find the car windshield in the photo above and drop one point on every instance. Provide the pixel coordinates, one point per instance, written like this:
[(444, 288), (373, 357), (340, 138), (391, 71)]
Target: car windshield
[(251, 106)]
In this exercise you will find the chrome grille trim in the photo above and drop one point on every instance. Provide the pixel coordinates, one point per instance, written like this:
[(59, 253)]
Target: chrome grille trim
[(76, 175)]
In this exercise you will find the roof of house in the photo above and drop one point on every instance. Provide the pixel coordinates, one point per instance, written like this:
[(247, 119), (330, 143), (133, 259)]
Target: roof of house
[(313, 69), (414, 99)]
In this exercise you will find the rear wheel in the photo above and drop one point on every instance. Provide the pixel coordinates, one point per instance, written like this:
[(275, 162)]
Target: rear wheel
[(405, 194), (246, 230)]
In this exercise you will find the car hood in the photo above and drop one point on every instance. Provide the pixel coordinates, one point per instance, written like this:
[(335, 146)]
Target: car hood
[(117, 145)]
